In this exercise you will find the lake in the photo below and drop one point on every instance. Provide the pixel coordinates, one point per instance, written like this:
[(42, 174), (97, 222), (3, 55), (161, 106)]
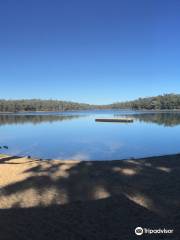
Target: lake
[(76, 135)]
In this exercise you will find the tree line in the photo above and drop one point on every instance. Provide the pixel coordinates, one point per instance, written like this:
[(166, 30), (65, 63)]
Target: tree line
[(161, 102), (34, 105)]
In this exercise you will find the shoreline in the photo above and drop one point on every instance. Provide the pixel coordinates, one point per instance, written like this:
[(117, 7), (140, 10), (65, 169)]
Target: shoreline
[(97, 109), (148, 158), (15, 166)]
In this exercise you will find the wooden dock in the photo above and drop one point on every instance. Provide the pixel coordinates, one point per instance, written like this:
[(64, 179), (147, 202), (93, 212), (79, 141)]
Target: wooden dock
[(120, 120)]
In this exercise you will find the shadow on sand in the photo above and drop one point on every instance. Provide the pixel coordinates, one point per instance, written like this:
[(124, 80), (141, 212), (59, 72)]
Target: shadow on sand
[(92, 200)]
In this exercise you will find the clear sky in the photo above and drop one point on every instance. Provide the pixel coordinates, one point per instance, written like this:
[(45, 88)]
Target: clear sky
[(96, 51)]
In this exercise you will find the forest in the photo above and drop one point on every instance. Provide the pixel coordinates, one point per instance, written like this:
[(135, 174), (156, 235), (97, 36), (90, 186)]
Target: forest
[(34, 105), (161, 102)]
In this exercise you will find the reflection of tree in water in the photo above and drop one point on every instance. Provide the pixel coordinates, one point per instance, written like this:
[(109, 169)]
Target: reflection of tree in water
[(166, 119), (35, 119)]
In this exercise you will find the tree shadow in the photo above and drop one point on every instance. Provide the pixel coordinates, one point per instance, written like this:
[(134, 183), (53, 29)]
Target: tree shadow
[(7, 159), (92, 200), (106, 219)]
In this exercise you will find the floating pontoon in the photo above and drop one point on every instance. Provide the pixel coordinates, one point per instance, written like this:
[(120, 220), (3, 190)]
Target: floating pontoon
[(121, 120)]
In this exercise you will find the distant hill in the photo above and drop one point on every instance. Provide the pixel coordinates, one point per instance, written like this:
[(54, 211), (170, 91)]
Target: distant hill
[(161, 102), (40, 105)]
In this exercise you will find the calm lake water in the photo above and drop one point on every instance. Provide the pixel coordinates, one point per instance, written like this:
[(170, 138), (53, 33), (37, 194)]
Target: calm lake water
[(75, 135)]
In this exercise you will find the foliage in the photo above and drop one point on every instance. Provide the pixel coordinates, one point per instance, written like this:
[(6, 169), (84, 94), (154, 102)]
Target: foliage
[(40, 105), (3, 147), (161, 102)]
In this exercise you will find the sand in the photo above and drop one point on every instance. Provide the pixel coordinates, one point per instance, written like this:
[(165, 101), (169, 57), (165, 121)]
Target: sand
[(55, 199)]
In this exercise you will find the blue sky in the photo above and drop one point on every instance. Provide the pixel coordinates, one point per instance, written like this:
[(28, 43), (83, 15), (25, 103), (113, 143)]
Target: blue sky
[(97, 51)]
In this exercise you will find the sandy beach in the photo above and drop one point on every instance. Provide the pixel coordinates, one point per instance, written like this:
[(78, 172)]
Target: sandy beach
[(56, 199)]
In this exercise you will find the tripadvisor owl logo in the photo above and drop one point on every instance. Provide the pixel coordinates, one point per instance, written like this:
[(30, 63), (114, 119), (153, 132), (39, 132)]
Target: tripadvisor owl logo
[(139, 231)]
